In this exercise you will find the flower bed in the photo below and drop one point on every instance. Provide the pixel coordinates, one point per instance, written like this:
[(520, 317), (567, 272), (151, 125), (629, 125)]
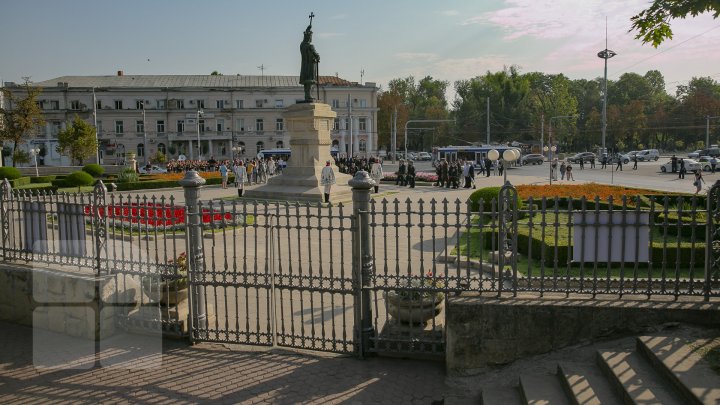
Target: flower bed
[(419, 176), (155, 214)]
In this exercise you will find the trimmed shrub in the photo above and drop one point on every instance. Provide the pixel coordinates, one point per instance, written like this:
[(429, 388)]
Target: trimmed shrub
[(127, 175), (42, 179), (94, 170), (22, 181), (487, 194), (78, 179), (9, 173)]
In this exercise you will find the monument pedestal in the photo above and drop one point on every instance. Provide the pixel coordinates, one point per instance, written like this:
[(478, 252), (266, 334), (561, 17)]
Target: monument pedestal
[(309, 125)]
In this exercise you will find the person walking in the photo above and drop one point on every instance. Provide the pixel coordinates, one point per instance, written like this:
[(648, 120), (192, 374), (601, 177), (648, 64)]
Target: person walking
[(488, 166), (582, 164), (376, 172), (713, 163), (673, 163), (410, 176), (562, 171), (603, 161), (223, 169), (698, 181), (592, 162), (569, 173), (619, 165), (466, 174), (327, 179), (681, 171), (402, 169), (240, 177), (554, 169), (635, 160)]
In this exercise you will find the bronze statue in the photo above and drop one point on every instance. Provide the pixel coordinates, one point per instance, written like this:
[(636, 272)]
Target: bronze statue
[(310, 60)]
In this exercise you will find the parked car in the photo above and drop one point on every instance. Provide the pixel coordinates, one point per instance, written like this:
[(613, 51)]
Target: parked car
[(584, 156), (532, 159), (705, 162), (695, 155), (152, 170), (647, 155), (628, 157), (424, 156), (690, 166), (710, 152)]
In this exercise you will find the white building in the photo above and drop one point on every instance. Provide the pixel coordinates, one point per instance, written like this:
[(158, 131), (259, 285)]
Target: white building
[(170, 113)]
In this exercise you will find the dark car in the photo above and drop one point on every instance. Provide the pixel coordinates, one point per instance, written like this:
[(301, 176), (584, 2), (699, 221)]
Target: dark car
[(584, 156), (532, 159)]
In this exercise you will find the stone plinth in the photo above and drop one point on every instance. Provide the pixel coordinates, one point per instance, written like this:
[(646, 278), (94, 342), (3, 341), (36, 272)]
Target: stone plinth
[(309, 125)]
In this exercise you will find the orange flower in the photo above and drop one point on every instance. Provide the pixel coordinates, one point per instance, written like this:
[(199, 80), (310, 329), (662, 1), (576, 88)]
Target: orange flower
[(577, 191)]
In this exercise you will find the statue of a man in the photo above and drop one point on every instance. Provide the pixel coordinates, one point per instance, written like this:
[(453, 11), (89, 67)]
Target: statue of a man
[(310, 59)]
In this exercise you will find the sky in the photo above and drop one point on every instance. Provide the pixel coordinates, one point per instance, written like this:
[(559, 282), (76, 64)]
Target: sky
[(448, 40)]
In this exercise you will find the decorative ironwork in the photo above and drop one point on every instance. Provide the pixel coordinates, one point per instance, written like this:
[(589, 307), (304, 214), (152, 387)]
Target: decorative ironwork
[(99, 224), (712, 255)]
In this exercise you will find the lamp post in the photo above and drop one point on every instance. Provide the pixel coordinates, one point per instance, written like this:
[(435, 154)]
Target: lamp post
[(236, 151), (35, 152), (145, 145), (605, 54), (197, 122), (509, 155), (552, 150), (707, 130)]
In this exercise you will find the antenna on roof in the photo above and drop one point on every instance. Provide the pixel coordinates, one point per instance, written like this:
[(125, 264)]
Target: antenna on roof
[(362, 73), (262, 70)]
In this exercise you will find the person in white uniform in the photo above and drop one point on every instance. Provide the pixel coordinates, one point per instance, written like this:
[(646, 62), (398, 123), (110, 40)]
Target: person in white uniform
[(327, 179)]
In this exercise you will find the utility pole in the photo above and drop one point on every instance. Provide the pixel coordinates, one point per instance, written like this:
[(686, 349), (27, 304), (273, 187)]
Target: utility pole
[(542, 132), (349, 124), (394, 134), (488, 120), (97, 152)]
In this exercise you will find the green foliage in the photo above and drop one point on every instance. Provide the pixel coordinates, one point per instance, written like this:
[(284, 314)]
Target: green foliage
[(77, 179), (653, 23), (9, 173), (127, 175), (78, 140), (21, 157), (19, 182), (158, 157), (25, 117), (94, 170), (486, 194), (42, 179)]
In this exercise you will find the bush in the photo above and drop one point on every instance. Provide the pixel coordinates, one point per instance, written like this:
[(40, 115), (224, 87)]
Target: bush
[(77, 179), (487, 194), (9, 173), (42, 179), (22, 181), (127, 175), (94, 170)]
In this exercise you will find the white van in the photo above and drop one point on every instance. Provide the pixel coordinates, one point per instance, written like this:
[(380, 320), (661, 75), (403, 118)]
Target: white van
[(647, 155)]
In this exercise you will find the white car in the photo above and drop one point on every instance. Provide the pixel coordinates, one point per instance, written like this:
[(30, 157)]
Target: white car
[(690, 166), (152, 170)]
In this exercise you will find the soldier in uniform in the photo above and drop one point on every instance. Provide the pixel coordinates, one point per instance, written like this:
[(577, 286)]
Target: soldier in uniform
[(402, 169), (410, 179)]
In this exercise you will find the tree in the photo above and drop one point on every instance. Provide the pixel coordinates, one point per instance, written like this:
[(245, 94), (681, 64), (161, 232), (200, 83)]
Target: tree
[(215, 73), (77, 140), (21, 117), (653, 23)]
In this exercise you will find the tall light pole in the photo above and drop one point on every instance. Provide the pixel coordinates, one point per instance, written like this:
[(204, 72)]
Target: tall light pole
[(605, 54), (97, 142), (707, 130), (35, 152), (145, 145), (197, 122)]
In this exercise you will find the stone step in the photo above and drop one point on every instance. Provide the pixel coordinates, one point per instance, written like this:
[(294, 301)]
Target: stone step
[(500, 396), (586, 384), (680, 362), (635, 379), (542, 390)]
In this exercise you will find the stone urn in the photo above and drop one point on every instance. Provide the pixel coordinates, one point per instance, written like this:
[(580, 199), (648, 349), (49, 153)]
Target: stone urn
[(171, 292), (413, 307)]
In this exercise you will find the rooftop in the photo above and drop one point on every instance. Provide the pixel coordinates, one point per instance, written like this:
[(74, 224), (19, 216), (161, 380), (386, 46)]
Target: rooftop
[(177, 81)]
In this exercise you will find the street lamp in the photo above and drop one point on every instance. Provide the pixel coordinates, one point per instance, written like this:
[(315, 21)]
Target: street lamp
[(509, 155), (552, 150), (35, 152), (197, 121), (237, 150), (605, 54)]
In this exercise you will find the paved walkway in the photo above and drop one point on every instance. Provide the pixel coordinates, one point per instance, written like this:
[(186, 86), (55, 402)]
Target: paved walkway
[(206, 373)]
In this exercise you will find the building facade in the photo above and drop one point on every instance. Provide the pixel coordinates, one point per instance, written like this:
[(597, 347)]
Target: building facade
[(196, 117)]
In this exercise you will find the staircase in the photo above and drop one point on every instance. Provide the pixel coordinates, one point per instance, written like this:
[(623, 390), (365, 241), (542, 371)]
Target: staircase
[(659, 370)]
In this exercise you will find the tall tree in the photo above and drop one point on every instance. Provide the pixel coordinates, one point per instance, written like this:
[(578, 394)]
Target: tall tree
[(20, 117), (653, 23), (77, 140)]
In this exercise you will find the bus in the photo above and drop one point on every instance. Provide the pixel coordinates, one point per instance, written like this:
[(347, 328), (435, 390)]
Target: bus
[(474, 153), (275, 154)]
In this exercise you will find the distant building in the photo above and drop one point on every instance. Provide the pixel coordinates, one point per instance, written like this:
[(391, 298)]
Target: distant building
[(146, 114)]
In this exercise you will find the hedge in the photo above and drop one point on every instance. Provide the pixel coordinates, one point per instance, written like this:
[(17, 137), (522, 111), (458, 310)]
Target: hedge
[(22, 181), (9, 173), (94, 169), (42, 179)]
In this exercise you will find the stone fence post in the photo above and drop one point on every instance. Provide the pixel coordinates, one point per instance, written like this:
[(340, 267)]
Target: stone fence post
[(191, 183)]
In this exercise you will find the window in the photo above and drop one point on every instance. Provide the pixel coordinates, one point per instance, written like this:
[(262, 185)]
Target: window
[(362, 145), (362, 124), (140, 150), (56, 127), (279, 104), (139, 127), (220, 103), (219, 124), (346, 124), (98, 104), (259, 103), (259, 147), (75, 105), (200, 104), (363, 102), (160, 126), (162, 149), (201, 126), (160, 104), (259, 125), (54, 105), (239, 104), (139, 105), (99, 127), (279, 124), (240, 125), (118, 104), (119, 127), (336, 124), (181, 126), (336, 103)]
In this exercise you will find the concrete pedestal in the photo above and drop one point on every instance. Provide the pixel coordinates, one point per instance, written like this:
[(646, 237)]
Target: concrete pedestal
[(309, 125)]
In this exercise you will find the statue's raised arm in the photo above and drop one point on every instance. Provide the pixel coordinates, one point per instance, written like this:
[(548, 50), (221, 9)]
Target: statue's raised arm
[(310, 60)]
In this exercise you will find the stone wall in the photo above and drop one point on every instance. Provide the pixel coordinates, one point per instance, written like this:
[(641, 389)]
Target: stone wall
[(483, 331), (64, 302)]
